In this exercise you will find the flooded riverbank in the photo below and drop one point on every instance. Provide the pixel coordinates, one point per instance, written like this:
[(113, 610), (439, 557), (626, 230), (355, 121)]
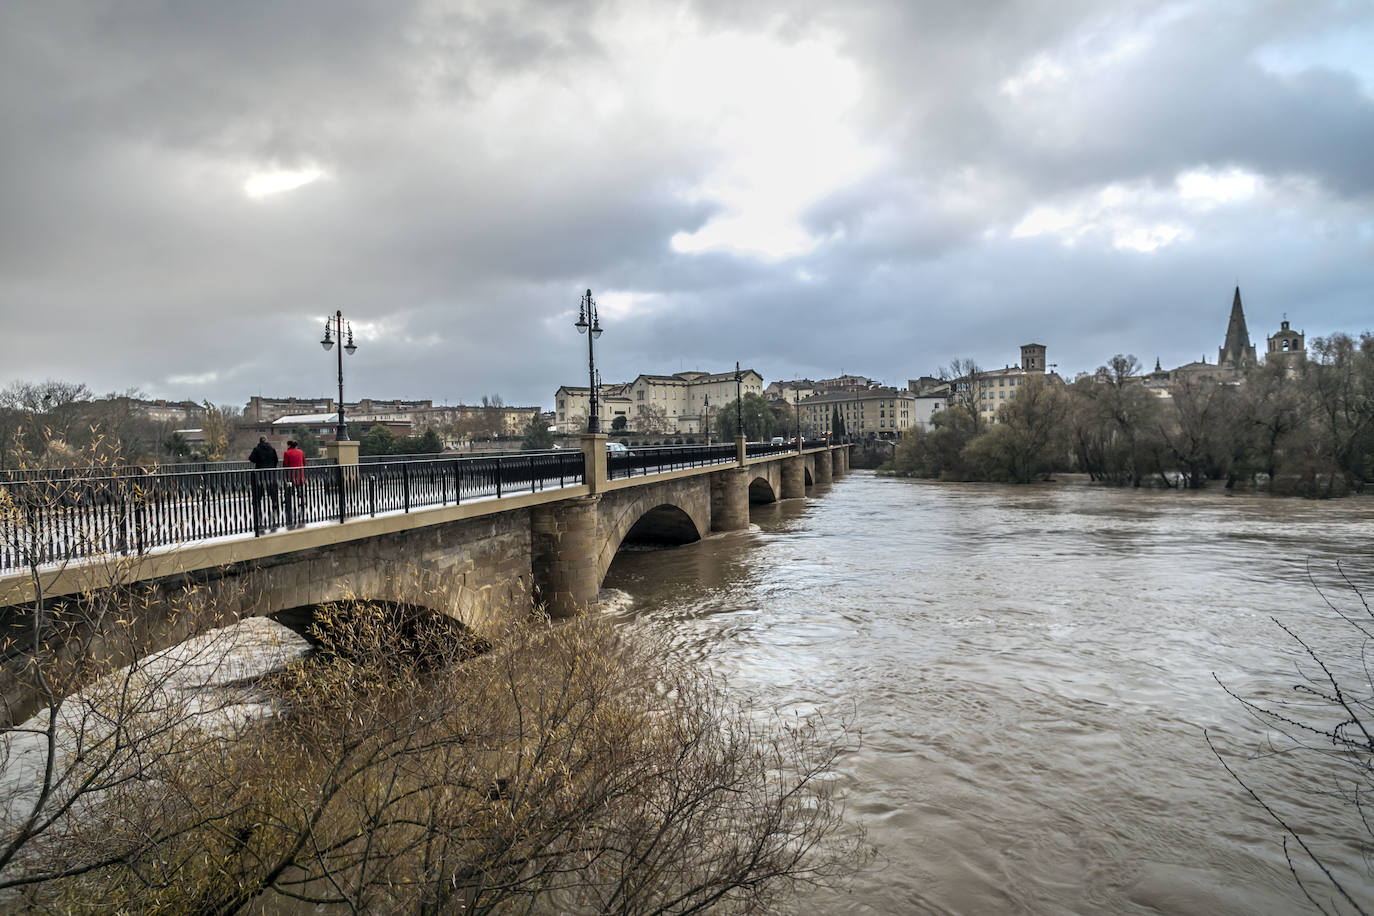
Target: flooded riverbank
[(1032, 670)]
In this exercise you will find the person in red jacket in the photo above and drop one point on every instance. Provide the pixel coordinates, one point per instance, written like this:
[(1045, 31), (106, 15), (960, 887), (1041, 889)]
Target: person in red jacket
[(293, 459)]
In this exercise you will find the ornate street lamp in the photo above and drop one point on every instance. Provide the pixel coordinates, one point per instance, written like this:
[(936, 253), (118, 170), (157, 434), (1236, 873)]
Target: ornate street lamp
[(706, 406), (587, 320), (341, 433), (796, 403), (739, 402)]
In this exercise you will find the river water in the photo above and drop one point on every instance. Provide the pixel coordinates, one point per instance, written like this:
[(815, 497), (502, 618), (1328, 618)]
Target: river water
[(1031, 669)]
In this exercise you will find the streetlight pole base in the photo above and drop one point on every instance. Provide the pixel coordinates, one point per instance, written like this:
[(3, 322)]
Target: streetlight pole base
[(345, 452), (594, 461)]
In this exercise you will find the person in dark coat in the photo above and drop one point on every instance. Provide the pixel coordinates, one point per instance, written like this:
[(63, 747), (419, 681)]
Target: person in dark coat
[(263, 454), (264, 457)]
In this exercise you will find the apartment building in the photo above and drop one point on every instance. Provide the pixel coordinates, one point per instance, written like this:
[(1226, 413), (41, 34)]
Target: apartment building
[(677, 404), (879, 412), (988, 390)]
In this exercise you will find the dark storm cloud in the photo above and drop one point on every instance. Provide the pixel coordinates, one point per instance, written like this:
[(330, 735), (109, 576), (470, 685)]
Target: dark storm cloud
[(483, 163)]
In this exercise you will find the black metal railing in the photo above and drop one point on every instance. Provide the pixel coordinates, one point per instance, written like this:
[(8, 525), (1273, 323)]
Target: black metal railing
[(130, 510), (656, 460), (764, 449), (59, 519), (122, 469)]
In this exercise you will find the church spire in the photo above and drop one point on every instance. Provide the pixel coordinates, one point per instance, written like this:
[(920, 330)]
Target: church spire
[(1237, 351)]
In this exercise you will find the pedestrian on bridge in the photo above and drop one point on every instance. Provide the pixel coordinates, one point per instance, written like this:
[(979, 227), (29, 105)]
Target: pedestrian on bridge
[(264, 457), (293, 459)]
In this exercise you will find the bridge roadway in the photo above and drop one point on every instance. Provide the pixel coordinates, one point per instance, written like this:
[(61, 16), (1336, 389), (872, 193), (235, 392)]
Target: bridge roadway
[(480, 540)]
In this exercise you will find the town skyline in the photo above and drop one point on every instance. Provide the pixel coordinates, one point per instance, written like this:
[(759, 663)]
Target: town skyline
[(806, 190)]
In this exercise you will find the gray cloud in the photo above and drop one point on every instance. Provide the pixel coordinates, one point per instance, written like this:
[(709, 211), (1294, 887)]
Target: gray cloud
[(1016, 176)]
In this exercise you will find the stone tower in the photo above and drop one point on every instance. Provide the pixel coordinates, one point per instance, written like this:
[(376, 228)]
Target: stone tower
[(1033, 357), (1237, 352), (1287, 348)]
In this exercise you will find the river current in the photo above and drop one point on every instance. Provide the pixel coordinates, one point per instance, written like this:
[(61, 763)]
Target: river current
[(1031, 670)]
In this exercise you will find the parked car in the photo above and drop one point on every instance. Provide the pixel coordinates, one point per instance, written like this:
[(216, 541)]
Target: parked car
[(616, 448), (779, 440)]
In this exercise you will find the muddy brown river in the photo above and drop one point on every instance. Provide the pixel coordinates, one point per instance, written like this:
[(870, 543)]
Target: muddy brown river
[(1031, 669)]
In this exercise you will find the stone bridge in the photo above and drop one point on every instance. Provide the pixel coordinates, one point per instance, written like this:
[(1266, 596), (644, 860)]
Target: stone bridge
[(484, 562)]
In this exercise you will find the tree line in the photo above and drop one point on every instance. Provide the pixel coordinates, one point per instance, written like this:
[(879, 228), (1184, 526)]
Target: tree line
[(52, 422), (1308, 431)]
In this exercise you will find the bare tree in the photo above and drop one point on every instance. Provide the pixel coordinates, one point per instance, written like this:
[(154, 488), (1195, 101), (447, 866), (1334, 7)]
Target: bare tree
[(650, 419), (968, 384), (79, 734)]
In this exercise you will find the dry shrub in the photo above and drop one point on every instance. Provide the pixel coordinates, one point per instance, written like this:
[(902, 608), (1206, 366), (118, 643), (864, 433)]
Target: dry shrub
[(567, 770)]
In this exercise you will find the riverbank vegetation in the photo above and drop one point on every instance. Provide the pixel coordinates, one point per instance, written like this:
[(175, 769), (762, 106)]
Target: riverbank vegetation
[(565, 770), (1308, 432)]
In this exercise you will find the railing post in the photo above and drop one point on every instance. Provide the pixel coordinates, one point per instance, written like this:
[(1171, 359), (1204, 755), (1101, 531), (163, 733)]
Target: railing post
[(255, 488), (122, 513), (339, 483), (139, 520), (405, 484), (741, 450)]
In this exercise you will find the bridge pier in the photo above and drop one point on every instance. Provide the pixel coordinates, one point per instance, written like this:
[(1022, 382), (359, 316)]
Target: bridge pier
[(824, 469), (794, 477), (563, 553), (729, 500), (839, 462)]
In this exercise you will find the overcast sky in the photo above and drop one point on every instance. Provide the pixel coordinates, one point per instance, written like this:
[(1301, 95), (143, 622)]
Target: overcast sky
[(188, 188)]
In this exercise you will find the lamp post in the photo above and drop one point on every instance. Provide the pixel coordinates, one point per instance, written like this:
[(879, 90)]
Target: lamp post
[(739, 402), (341, 433), (587, 320), (706, 406), (796, 403)]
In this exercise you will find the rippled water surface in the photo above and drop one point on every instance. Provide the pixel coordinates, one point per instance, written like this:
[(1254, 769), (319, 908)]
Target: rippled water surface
[(1031, 670)]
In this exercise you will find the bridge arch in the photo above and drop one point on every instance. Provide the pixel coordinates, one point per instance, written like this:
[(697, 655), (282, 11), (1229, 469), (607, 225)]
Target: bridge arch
[(665, 514), (428, 633), (761, 491), (663, 524)]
